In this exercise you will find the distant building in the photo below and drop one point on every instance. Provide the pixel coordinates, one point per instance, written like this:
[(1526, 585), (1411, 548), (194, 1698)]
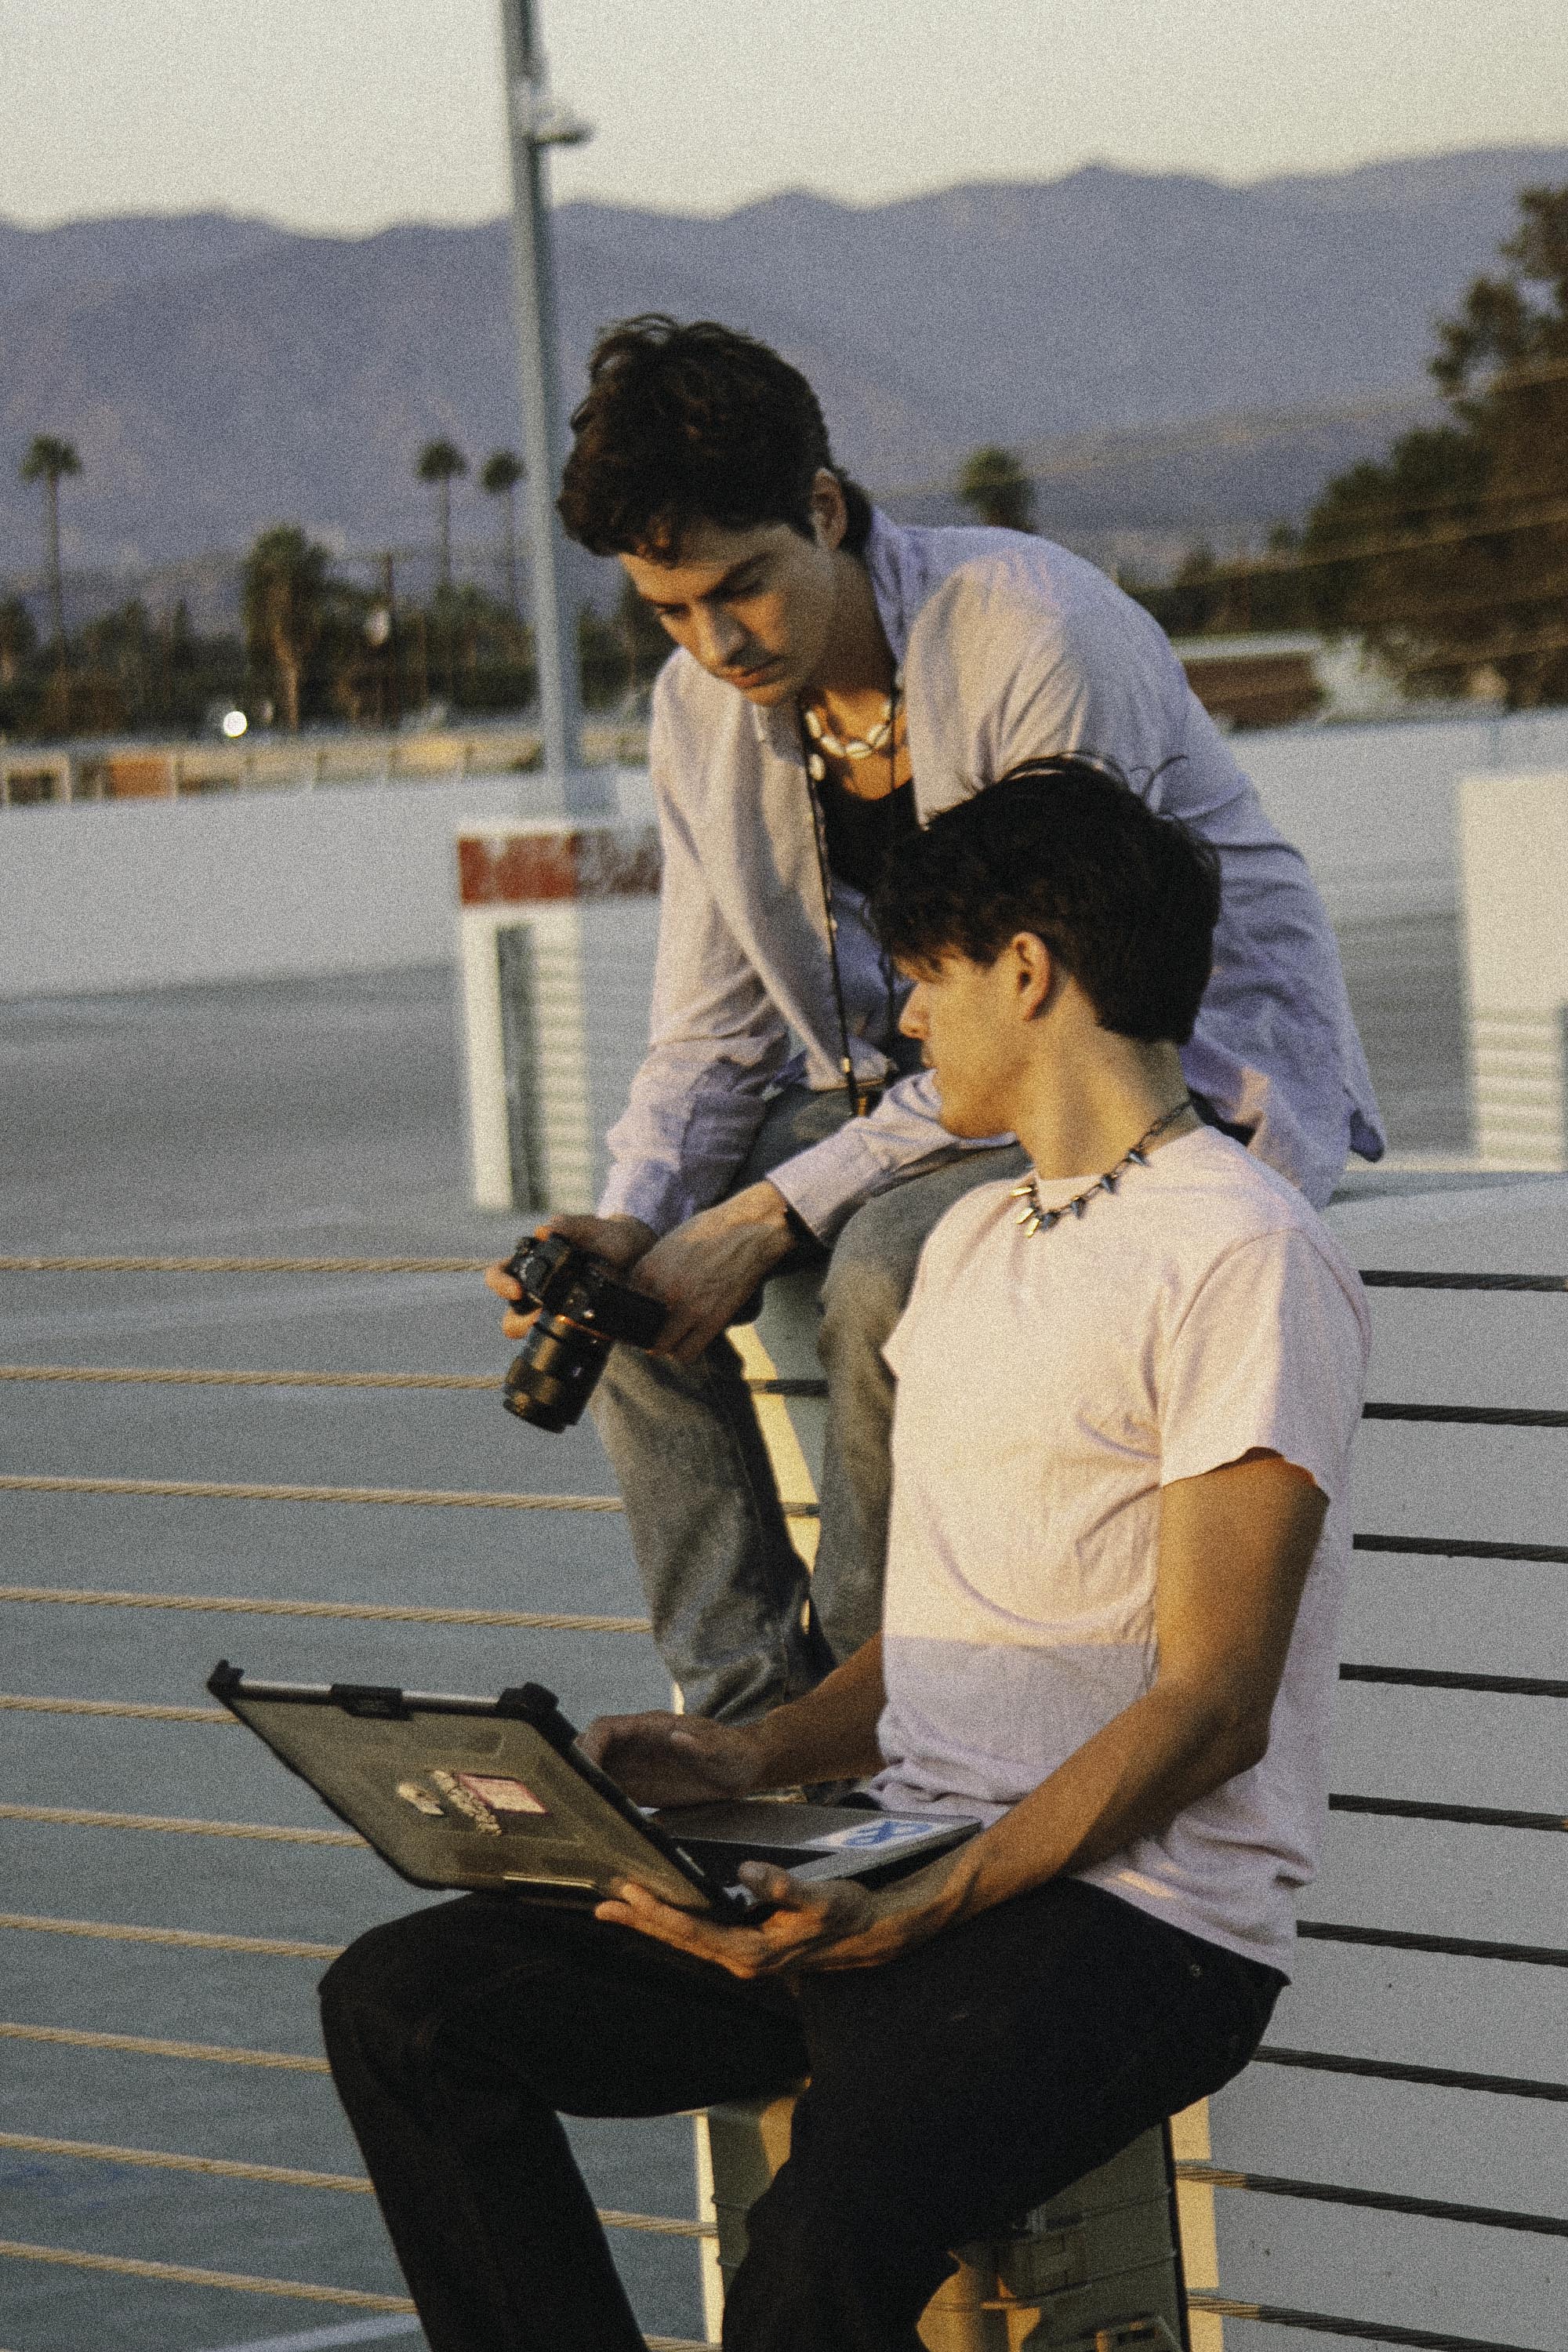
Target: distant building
[(1279, 681)]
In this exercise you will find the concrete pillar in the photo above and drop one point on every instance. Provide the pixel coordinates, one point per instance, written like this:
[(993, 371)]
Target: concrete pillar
[(1513, 858), (558, 923)]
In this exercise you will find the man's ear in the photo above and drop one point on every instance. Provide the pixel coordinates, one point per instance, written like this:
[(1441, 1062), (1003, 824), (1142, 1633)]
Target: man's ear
[(829, 509), (1038, 973)]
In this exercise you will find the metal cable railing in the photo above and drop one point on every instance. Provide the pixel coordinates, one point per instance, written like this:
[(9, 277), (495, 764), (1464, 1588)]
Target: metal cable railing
[(1364, 2331), (294, 2176), (1200, 2174), (395, 1612)]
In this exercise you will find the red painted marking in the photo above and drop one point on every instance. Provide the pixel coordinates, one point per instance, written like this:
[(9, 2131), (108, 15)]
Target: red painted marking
[(534, 869)]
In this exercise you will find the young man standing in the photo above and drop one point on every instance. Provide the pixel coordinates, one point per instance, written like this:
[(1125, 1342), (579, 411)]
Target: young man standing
[(839, 680), (1128, 1389)]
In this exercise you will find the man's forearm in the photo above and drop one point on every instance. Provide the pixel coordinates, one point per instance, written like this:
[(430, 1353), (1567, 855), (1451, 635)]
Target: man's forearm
[(1164, 1752), (829, 1735)]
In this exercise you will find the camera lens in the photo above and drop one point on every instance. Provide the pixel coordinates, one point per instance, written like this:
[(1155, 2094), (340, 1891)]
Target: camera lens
[(553, 1374)]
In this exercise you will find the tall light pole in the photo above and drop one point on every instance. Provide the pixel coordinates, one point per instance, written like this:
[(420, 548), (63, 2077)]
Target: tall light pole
[(535, 122)]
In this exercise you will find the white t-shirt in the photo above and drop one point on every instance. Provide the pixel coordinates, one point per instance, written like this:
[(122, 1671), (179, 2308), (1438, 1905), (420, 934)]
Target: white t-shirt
[(1050, 1386)]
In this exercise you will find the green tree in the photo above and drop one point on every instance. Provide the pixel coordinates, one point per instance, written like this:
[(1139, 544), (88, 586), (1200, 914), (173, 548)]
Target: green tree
[(439, 463), (49, 460), (19, 638), (499, 478), (993, 485), (1451, 554), (285, 606)]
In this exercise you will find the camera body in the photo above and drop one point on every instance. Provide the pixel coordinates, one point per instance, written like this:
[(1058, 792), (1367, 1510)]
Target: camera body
[(583, 1308)]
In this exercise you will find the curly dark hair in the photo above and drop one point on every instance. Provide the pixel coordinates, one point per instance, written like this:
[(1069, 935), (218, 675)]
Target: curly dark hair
[(1126, 900), (684, 424)]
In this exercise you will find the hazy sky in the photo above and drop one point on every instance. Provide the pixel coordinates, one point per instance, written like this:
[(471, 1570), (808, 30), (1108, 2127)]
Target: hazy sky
[(337, 114)]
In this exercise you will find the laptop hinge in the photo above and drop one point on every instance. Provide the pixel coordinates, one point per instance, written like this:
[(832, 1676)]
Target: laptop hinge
[(384, 1699), (532, 1703)]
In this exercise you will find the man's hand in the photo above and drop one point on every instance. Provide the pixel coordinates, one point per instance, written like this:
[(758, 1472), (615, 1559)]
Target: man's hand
[(707, 1269), (839, 1926), (675, 1759), (619, 1241)]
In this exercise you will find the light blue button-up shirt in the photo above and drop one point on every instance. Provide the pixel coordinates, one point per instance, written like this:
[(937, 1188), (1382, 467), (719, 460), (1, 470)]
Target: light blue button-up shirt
[(1011, 649)]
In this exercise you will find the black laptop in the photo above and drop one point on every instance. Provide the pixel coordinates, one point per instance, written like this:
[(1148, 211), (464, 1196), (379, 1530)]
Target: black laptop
[(490, 1794)]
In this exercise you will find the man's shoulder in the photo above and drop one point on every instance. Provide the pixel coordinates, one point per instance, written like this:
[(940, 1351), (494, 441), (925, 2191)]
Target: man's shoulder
[(997, 571), (1214, 1199), (974, 1220), (991, 602), (1200, 1201)]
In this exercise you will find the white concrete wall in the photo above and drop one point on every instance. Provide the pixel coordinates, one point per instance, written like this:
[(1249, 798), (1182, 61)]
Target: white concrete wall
[(1514, 855), (359, 877), (1375, 809), (342, 878)]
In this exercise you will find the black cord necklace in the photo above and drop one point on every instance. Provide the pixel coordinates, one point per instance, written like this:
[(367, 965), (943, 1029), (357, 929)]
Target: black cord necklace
[(1037, 1219)]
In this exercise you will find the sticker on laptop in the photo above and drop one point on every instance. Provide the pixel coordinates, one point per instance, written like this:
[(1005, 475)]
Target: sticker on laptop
[(876, 1833), (501, 1796), (470, 1801), (423, 1799)]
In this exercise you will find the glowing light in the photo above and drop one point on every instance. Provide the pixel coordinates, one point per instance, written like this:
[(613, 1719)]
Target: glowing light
[(234, 724)]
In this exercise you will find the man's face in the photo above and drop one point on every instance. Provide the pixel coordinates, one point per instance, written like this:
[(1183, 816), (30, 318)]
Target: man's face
[(755, 607), (967, 1018)]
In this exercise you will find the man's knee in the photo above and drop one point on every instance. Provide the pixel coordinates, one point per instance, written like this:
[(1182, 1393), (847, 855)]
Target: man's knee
[(391, 1980), (868, 1278), (373, 1979)]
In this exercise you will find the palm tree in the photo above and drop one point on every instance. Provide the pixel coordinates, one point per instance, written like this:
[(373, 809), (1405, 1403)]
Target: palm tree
[(48, 460), (437, 462), (995, 487), (500, 478), (285, 608)]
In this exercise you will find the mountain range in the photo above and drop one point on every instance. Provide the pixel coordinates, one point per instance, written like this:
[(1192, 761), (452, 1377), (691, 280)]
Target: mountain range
[(1178, 356)]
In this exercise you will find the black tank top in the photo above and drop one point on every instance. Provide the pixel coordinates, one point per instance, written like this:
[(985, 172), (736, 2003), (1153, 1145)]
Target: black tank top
[(861, 833)]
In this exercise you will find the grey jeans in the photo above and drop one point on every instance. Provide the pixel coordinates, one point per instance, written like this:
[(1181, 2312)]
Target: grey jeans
[(726, 1588)]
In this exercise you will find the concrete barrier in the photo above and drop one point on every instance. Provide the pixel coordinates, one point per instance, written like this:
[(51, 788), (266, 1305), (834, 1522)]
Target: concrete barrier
[(558, 923), (341, 878), (1514, 858)]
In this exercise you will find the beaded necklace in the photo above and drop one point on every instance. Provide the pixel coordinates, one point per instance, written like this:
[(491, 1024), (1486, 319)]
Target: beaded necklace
[(848, 747), (1035, 1218)]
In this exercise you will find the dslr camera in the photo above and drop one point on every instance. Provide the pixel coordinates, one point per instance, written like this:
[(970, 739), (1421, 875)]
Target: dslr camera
[(583, 1308)]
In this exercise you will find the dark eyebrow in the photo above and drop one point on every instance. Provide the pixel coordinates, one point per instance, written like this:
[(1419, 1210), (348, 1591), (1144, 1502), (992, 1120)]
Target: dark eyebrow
[(725, 586)]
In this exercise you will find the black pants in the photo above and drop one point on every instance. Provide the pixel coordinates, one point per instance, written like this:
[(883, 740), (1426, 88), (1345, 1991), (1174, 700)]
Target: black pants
[(951, 2090)]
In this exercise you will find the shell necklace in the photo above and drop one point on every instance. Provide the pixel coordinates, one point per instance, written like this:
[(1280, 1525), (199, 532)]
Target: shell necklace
[(848, 747), (1035, 1218)]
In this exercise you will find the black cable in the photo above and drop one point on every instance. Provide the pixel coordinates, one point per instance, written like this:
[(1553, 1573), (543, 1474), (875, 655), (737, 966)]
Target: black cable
[(1480, 1416), (1368, 2331), (1461, 1548), (1397, 1278), (1413, 1809), (1389, 2070), (1439, 1679), (1409, 1939), (1376, 2201)]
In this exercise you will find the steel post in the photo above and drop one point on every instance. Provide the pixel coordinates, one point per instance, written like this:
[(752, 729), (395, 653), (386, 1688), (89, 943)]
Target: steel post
[(533, 123)]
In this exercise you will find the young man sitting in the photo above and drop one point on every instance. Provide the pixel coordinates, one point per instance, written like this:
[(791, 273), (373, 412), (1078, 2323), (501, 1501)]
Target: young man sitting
[(838, 679), (1128, 1389)]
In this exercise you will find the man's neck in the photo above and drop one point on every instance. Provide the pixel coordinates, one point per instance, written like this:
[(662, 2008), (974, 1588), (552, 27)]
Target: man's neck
[(856, 675), (1082, 1115)]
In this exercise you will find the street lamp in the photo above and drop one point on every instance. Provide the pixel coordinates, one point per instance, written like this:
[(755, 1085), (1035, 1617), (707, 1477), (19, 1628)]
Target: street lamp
[(535, 122)]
